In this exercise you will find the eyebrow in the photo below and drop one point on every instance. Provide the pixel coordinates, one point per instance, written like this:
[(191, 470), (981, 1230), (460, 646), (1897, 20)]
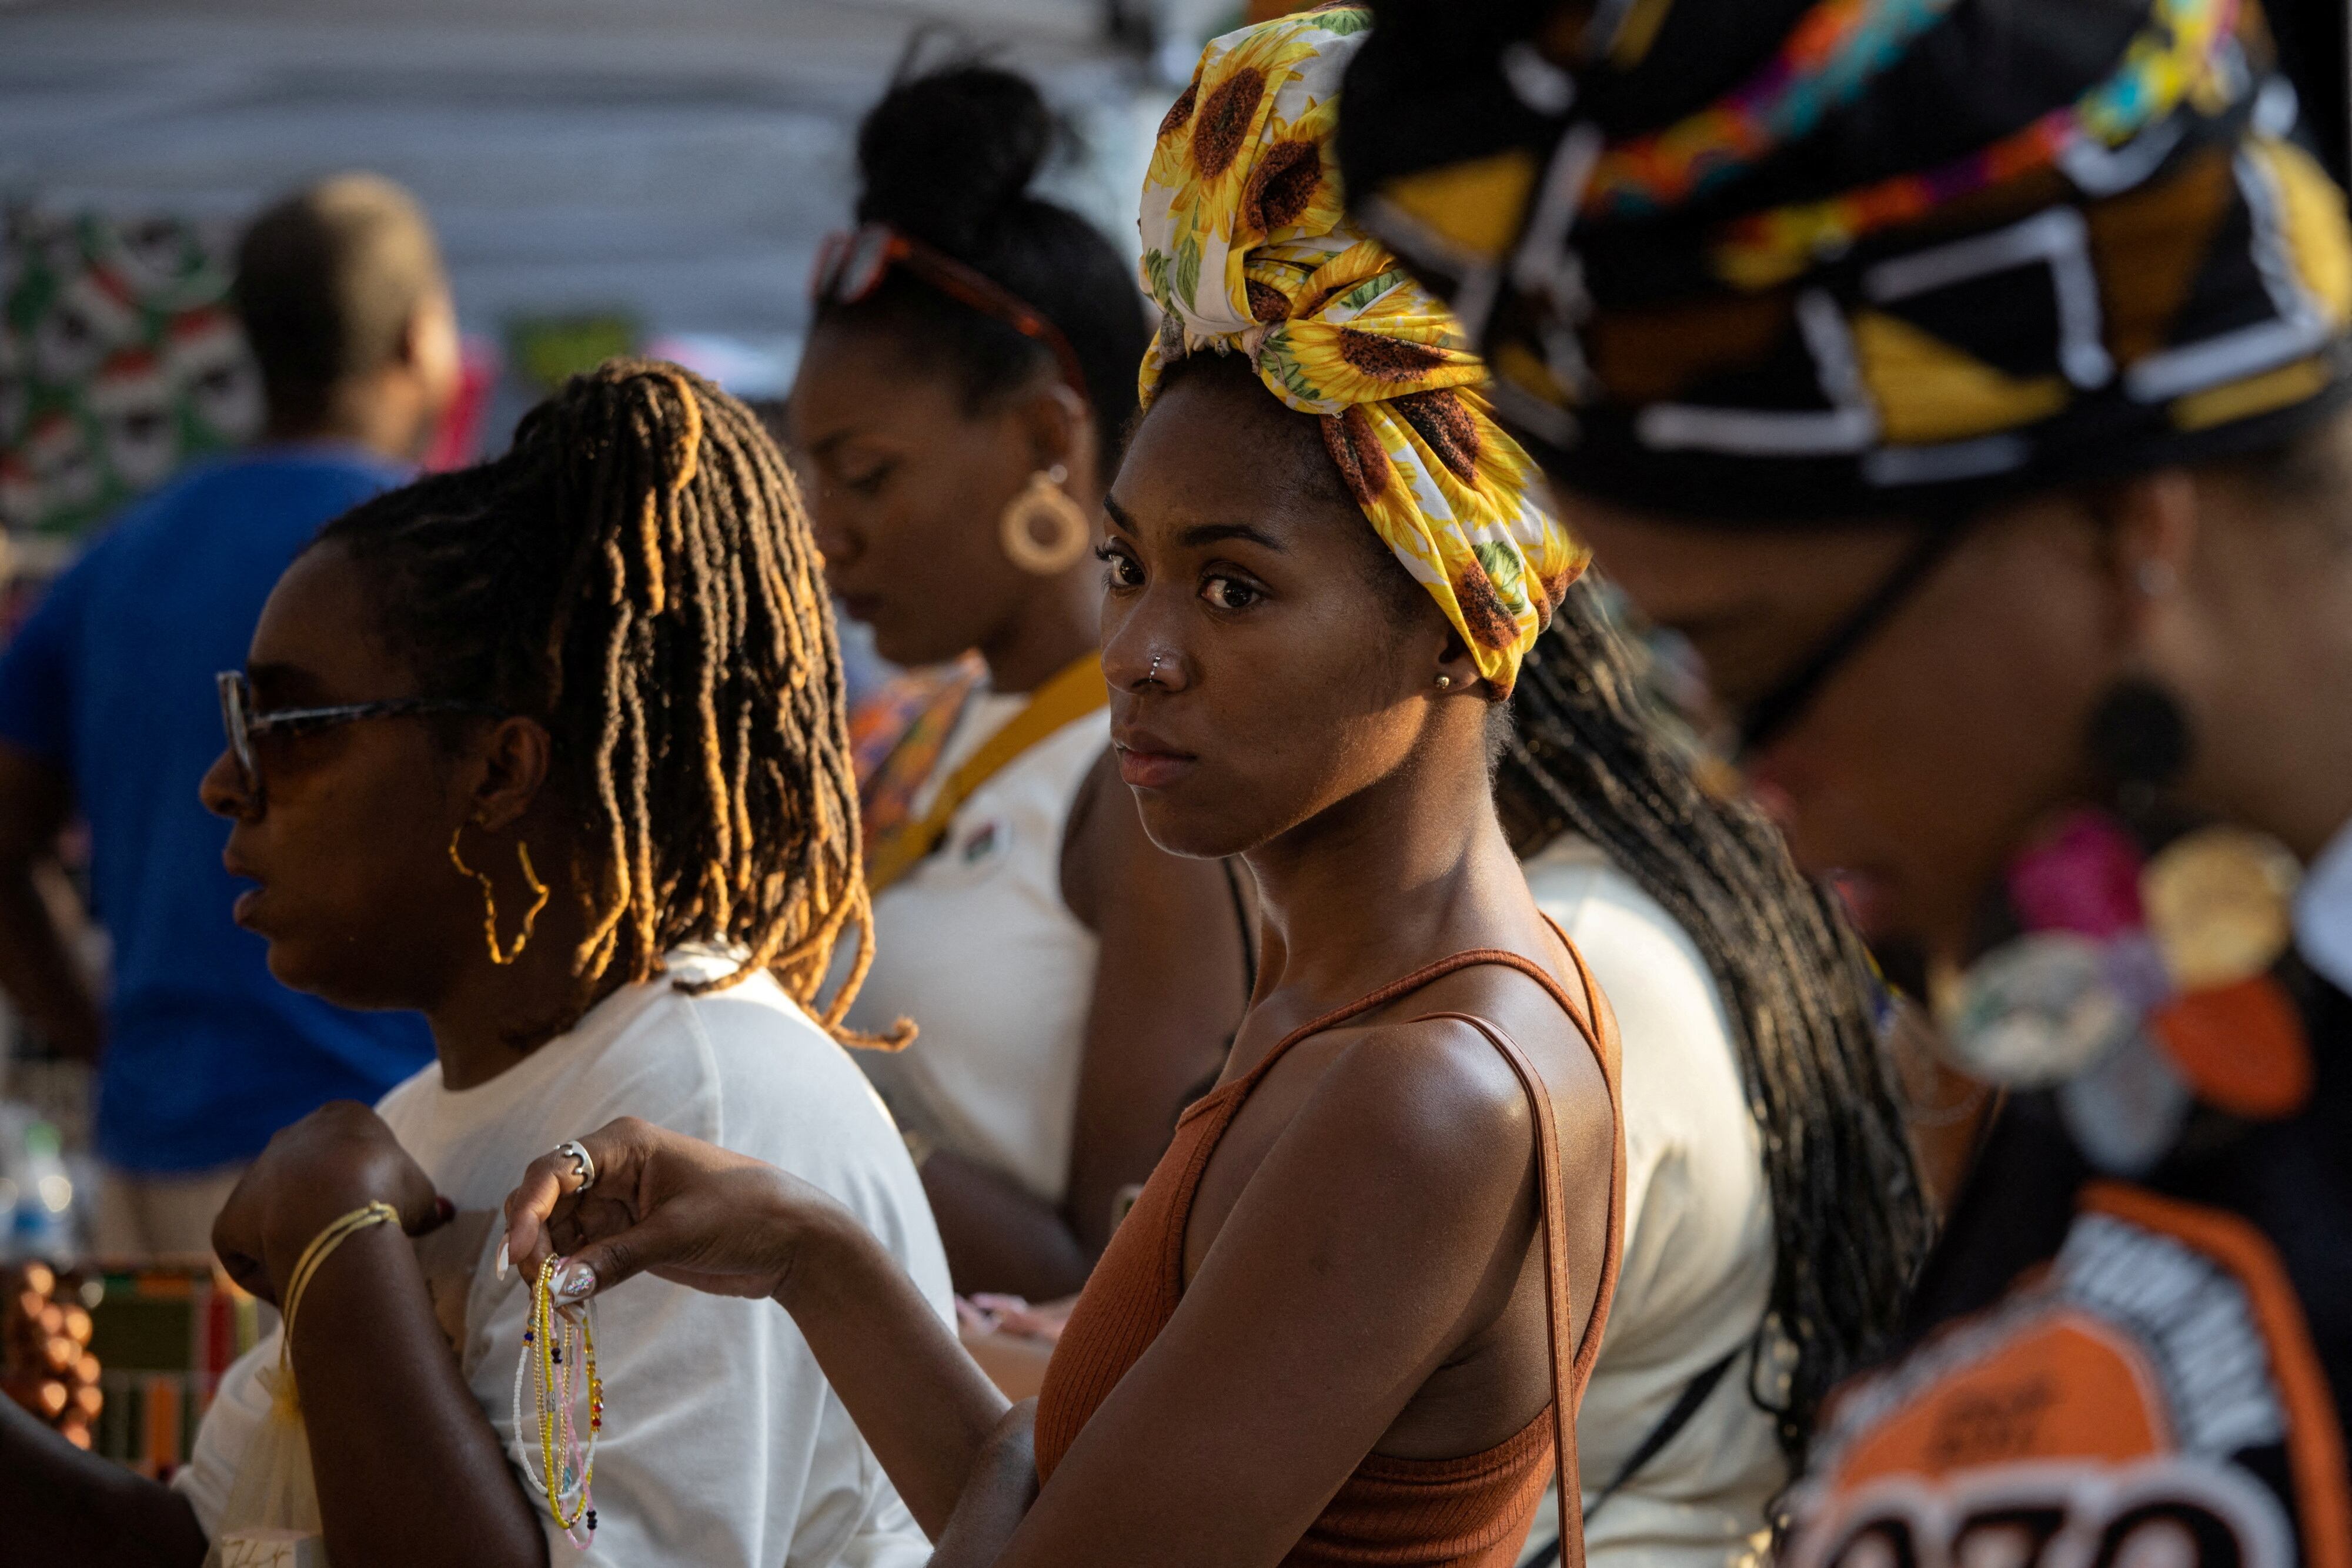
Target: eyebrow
[(1201, 534)]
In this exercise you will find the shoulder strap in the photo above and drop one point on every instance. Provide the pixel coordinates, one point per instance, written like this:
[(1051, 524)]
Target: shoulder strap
[(1597, 1018), (1566, 1386), (1569, 1370), (1428, 974), (1598, 1025), (1075, 693)]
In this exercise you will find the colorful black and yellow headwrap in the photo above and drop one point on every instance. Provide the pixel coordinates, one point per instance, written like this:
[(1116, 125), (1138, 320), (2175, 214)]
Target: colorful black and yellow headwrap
[(1815, 258)]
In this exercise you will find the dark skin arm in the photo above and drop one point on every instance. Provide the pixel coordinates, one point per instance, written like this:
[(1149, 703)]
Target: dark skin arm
[(370, 1358), (37, 972), (1301, 1340), (63, 1505), (997, 1495), (1170, 987), (373, 1368)]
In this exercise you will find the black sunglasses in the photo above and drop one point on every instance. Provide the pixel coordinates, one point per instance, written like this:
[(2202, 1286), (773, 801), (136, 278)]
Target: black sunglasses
[(1765, 720), (242, 725)]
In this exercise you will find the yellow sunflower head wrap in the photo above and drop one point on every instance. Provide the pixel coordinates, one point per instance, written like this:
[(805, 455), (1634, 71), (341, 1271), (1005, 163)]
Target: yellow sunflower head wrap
[(1247, 249)]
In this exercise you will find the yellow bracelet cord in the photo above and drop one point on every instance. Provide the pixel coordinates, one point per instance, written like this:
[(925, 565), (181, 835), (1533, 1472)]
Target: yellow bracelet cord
[(322, 1248)]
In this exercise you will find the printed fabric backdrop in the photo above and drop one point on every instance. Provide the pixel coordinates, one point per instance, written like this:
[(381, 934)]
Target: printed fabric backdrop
[(119, 361)]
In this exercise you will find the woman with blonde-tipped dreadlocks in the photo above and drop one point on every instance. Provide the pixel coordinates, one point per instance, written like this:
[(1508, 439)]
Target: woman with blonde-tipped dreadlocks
[(551, 750)]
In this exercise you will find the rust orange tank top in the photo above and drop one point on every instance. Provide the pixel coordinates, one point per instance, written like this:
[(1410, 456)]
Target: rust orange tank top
[(1469, 1512)]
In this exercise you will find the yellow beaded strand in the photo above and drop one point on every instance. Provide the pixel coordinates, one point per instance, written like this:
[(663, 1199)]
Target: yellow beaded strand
[(543, 1323)]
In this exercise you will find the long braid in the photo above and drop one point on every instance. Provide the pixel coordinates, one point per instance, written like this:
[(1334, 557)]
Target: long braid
[(637, 573), (1849, 1216)]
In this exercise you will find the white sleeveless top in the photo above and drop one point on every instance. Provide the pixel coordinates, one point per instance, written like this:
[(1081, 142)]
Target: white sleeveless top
[(1697, 1270), (976, 946)]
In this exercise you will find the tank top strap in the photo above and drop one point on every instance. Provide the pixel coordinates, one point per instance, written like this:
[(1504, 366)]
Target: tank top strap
[(1429, 974), (1597, 1023), (1570, 1367), (1600, 1027), (1597, 1019)]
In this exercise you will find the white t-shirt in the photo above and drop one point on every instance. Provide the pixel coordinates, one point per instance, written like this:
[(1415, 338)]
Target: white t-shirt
[(724, 1446), (1696, 1274), (2323, 911), (977, 946)]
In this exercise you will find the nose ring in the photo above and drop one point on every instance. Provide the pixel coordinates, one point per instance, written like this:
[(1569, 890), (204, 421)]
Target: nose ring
[(1153, 673)]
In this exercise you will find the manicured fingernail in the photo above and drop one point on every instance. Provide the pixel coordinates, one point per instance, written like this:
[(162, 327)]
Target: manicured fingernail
[(445, 1208), (575, 1281), (503, 1265)]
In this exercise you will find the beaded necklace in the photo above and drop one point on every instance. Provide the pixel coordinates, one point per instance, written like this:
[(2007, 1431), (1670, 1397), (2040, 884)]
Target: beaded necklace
[(559, 1356)]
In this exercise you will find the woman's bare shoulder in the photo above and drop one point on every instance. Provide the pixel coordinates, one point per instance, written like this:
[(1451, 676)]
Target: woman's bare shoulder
[(1442, 1052), (1429, 1094)]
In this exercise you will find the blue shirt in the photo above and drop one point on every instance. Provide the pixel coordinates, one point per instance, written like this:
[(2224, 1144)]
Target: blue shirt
[(110, 681)]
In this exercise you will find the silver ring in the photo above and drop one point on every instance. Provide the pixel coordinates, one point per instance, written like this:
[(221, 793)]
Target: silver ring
[(583, 1164), (1153, 673)]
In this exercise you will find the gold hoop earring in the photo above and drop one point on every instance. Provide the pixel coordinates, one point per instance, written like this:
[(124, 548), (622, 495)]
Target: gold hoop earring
[(490, 899), (1041, 529)]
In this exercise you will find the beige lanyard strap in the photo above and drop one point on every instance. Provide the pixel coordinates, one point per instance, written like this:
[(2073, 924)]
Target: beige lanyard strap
[(1073, 694), (1566, 1384)]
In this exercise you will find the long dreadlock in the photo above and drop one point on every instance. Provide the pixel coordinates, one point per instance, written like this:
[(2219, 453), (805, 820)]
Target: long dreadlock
[(1589, 752), (637, 574)]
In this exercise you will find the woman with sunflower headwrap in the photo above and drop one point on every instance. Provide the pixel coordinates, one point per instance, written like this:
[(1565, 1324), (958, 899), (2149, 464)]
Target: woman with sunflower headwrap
[(969, 376), (1968, 380), (1354, 1312)]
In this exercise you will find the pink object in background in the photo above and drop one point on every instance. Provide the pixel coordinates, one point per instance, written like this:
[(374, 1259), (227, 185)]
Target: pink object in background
[(459, 441), (2083, 876), (987, 1314), (1012, 1340)]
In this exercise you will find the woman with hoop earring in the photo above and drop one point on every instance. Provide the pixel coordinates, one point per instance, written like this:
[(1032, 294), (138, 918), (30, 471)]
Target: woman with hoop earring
[(968, 380)]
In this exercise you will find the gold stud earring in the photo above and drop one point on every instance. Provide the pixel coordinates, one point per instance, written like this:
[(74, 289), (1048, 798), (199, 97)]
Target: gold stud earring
[(490, 899)]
